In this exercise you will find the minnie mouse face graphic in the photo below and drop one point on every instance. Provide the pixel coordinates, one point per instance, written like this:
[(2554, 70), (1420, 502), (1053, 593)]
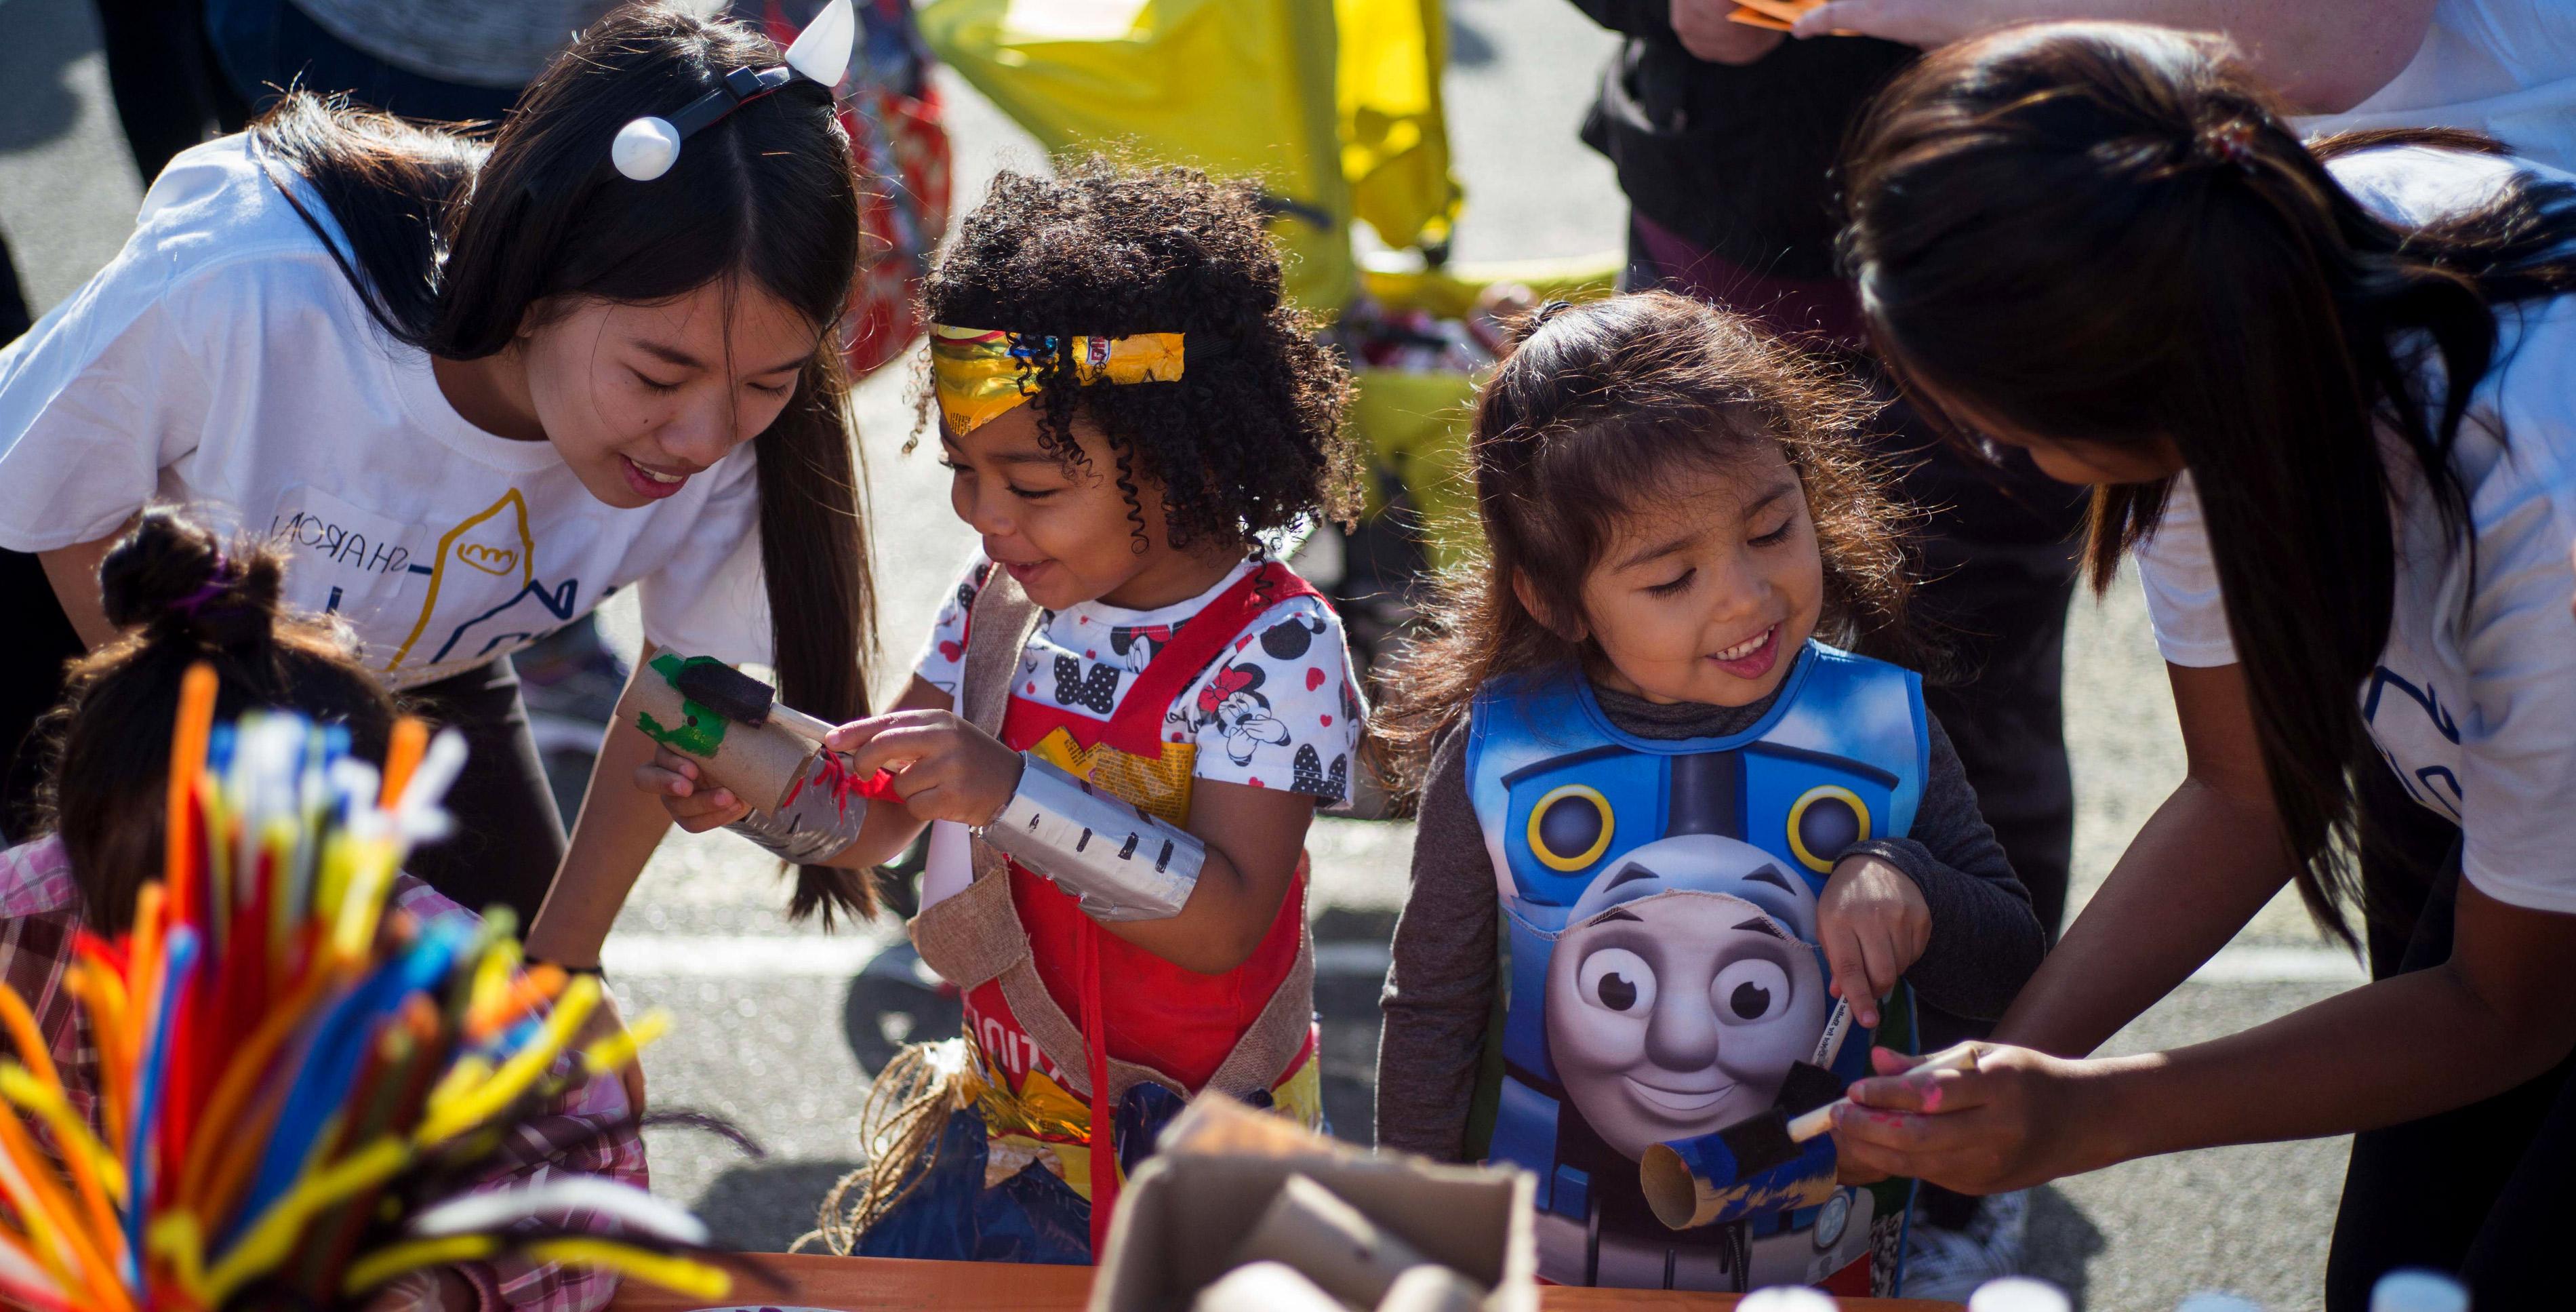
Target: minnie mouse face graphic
[(1232, 701), (1135, 645)]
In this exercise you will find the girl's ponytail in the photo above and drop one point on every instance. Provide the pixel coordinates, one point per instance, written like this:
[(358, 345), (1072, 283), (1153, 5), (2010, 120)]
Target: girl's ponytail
[(171, 579), (181, 596), (822, 599), (2270, 330)]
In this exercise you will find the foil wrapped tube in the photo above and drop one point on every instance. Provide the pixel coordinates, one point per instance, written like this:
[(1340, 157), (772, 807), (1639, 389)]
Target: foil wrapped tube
[(1122, 863)]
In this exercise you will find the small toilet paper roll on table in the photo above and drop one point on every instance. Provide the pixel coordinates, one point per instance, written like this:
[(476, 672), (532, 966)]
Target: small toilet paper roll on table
[(1332, 1242)]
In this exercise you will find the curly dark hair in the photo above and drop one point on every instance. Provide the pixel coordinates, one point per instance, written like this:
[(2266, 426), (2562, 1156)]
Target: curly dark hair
[(1250, 440), (1585, 421)]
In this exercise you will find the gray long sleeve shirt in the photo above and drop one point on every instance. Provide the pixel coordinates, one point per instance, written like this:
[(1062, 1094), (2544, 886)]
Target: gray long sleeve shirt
[(1439, 995)]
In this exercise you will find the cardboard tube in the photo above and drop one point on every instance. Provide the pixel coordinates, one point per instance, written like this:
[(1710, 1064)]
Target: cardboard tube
[(1432, 1288), (1698, 1181), (1265, 1287), (1334, 1243), (757, 763)]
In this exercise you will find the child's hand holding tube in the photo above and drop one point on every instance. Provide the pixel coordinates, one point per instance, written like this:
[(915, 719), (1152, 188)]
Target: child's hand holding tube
[(944, 767), (1873, 924)]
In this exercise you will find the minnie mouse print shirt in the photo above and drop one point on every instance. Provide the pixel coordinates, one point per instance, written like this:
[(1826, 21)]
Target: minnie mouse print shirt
[(1278, 709)]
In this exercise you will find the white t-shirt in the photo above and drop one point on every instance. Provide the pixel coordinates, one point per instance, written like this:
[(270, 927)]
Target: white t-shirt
[(223, 361), (2473, 702), (2503, 67), (1277, 709)]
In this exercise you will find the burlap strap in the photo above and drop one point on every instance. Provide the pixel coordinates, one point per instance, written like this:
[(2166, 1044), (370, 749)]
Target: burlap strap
[(976, 935)]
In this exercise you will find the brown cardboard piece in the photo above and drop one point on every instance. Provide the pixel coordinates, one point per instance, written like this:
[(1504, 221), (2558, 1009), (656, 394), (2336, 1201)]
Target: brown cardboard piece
[(758, 763), (1220, 1165)]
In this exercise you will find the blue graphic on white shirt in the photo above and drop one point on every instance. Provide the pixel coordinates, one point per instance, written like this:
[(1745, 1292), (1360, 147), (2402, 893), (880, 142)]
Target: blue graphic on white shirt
[(2434, 786)]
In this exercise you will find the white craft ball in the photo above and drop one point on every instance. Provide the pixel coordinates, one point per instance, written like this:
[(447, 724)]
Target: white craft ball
[(1787, 1298), (645, 148), (2018, 1294)]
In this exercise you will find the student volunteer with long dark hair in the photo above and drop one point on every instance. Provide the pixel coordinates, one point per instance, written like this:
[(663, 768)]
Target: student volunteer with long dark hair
[(2324, 398), (479, 388)]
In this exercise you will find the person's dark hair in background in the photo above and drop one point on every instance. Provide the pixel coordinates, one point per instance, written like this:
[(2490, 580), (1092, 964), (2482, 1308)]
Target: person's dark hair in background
[(178, 595), (1725, 138)]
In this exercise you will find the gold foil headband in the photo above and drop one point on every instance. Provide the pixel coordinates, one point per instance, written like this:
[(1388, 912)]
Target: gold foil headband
[(979, 374)]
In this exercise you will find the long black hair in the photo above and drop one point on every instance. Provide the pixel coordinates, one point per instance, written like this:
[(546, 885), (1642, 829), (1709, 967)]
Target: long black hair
[(2112, 234), (453, 243)]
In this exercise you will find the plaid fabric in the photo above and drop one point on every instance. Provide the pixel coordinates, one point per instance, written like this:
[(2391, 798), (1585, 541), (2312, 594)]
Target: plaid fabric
[(587, 1133)]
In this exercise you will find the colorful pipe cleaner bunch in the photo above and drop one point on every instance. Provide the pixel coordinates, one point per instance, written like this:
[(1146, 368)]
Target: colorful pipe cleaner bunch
[(299, 1086)]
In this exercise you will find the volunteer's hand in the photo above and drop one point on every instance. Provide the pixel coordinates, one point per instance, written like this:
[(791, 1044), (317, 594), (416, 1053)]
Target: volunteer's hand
[(944, 768), (673, 777), (1920, 23), (2021, 1118), (1705, 32), (1873, 924)]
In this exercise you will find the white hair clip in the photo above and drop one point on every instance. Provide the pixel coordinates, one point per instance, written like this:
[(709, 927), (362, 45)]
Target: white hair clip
[(647, 147)]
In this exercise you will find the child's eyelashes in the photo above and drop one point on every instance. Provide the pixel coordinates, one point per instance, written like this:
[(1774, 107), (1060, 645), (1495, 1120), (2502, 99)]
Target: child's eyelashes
[(1023, 493), (655, 385), (1775, 536), (1674, 586)]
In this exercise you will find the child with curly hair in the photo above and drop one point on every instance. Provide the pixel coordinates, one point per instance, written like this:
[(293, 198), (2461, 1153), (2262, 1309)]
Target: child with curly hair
[(1125, 717), (1719, 843)]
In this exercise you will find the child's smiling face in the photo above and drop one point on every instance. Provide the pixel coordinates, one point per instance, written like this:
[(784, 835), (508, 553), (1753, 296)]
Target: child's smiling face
[(1066, 531), (1706, 594)]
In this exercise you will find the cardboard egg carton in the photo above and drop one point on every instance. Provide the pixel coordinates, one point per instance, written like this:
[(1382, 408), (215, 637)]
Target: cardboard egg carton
[(1184, 1216)]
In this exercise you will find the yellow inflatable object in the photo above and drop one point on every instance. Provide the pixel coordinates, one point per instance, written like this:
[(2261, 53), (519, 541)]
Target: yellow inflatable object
[(1336, 109)]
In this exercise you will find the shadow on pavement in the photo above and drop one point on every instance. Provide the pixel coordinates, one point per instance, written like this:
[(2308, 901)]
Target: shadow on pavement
[(764, 1207), (44, 41), (2061, 1241), (895, 1000)]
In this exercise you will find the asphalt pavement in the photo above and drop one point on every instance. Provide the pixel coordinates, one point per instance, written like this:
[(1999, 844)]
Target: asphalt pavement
[(779, 1027)]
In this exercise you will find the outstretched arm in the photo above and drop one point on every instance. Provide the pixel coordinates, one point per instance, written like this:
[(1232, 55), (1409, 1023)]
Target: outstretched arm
[(2208, 859), (2324, 58)]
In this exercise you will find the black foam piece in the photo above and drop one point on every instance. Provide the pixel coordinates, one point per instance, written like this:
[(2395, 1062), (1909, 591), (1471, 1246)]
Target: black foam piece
[(1759, 1143), (726, 691), (1807, 1088)]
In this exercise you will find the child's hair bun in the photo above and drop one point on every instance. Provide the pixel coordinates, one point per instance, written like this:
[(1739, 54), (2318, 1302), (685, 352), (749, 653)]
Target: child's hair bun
[(172, 577)]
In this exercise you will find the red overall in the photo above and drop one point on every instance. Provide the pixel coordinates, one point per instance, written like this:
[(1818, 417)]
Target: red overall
[(1178, 1022)]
